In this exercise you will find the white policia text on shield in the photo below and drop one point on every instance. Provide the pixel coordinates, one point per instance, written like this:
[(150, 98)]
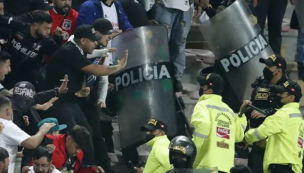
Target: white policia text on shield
[(237, 42), (144, 88)]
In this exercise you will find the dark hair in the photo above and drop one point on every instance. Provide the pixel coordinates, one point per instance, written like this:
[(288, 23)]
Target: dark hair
[(80, 135), (240, 169), (4, 55), (40, 16), (3, 152), (1, 1), (42, 152), (4, 101)]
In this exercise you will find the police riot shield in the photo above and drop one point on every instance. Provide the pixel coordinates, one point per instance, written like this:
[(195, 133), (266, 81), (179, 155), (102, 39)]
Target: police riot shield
[(235, 38), (299, 7), (214, 170), (144, 88)]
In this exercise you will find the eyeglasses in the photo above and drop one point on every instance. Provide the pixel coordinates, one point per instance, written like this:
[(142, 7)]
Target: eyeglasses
[(41, 165)]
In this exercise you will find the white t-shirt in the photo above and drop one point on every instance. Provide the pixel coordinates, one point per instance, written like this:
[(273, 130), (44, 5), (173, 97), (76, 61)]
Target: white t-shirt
[(10, 138), (183, 5), (110, 13), (31, 170)]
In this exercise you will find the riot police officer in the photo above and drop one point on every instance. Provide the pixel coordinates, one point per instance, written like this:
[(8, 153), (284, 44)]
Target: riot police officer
[(182, 153), (265, 98)]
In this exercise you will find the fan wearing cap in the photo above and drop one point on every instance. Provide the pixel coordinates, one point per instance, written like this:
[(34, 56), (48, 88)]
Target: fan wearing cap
[(35, 5), (99, 85), (217, 128), (54, 131), (71, 59), (266, 99), (284, 132), (182, 153), (158, 160)]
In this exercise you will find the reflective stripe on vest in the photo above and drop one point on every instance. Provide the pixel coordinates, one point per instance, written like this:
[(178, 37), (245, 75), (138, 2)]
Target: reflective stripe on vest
[(257, 134), (199, 135), (220, 109), (295, 116)]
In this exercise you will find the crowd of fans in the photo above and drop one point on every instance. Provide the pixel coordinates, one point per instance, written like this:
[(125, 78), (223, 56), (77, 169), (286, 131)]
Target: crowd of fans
[(55, 103)]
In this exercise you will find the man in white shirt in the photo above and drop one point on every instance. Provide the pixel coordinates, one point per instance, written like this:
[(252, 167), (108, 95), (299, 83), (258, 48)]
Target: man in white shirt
[(176, 15), (12, 135), (42, 161)]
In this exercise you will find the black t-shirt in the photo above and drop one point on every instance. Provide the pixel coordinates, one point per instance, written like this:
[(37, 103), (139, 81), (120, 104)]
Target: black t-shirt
[(23, 48), (69, 59)]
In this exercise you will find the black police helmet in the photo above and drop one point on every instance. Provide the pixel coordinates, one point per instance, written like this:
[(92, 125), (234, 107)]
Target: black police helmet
[(184, 146)]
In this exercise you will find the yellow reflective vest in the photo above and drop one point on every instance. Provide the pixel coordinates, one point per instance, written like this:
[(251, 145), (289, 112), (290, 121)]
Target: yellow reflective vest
[(158, 160), (284, 130), (217, 128)]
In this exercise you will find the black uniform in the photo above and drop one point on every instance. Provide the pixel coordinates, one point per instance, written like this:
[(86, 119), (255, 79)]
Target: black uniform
[(265, 98)]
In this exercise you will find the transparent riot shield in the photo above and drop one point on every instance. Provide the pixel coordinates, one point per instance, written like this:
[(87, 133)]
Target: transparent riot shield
[(235, 38), (144, 88), (299, 7)]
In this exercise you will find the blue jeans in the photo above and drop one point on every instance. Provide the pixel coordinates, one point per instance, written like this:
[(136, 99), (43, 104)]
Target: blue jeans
[(178, 24), (300, 54)]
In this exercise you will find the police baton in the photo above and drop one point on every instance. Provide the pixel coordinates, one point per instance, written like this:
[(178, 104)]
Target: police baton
[(251, 107)]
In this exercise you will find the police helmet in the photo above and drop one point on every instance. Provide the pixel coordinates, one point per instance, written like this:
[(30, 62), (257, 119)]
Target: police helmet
[(184, 146)]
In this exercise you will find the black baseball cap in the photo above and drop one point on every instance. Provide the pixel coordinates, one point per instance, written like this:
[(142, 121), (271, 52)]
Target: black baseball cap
[(213, 81), (293, 88), (39, 5), (275, 60), (103, 26), (154, 124), (86, 31)]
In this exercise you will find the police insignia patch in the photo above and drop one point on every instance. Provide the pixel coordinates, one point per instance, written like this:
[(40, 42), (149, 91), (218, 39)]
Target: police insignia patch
[(66, 24)]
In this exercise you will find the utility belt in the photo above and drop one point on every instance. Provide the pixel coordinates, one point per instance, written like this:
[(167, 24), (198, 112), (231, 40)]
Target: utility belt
[(273, 167)]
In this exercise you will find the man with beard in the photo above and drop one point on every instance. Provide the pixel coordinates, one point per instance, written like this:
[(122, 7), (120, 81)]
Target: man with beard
[(64, 19), (28, 44), (42, 161), (4, 160)]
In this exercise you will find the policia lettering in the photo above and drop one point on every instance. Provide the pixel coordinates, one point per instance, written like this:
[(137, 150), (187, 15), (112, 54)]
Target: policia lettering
[(244, 54), (143, 73)]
